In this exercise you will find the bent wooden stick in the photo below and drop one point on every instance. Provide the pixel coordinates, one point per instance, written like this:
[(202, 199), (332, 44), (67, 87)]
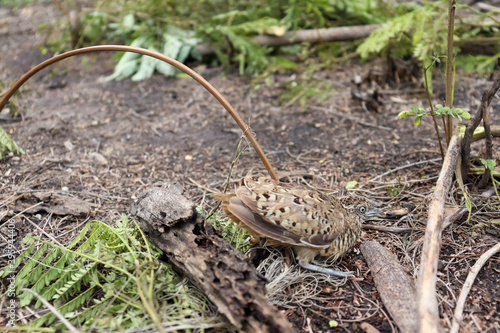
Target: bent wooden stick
[(197, 77)]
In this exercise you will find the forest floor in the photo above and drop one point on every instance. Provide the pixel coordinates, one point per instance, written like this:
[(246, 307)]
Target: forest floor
[(104, 142)]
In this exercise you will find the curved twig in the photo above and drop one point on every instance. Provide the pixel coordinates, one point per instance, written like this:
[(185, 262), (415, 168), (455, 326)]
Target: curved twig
[(157, 55), (458, 314)]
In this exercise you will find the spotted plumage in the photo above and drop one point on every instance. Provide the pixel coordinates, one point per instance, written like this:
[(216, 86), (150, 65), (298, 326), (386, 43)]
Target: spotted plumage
[(306, 220)]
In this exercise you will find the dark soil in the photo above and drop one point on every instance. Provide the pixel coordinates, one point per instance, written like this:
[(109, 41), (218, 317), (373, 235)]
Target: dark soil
[(104, 142)]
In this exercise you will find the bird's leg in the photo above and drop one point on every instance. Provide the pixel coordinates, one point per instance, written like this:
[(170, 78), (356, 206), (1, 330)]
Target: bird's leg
[(325, 270)]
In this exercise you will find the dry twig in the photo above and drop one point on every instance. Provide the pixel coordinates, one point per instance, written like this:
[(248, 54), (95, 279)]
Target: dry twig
[(458, 315)]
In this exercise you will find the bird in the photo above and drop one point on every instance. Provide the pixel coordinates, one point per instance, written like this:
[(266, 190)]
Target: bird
[(306, 220)]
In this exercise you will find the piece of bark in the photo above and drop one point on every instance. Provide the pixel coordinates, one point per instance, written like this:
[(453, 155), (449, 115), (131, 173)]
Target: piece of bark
[(427, 300), (395, 286), (164, 206), (223, 273), (53, 203)]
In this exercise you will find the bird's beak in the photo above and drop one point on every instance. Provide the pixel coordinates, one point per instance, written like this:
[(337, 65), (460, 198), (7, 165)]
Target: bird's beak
[(376, 212)]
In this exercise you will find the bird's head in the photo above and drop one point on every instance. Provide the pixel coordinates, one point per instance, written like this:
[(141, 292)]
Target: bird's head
[(362, 207)]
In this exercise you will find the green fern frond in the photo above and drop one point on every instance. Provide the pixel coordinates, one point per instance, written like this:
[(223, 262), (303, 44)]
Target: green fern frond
[(419, 33), (100, 279), (75, 283), (81, 235), (32, 263), (392, 30), (18, 261)]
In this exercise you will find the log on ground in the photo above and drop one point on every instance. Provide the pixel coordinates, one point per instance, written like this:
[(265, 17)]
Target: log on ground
[(224, 274), (396, 287)]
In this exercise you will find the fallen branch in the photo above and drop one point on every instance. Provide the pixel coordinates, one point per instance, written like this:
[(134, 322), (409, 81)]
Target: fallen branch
[(223, 273), (458, 315), (311, 36), (469, 131), (395, 286), (478, 135), (427, 301)]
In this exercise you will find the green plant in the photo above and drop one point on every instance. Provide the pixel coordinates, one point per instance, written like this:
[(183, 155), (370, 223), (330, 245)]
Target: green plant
[(7, 144), (301, 91), (107, 278), (439, 110), (228, 25), (491, 165), (17, 3), (176, 43), (238, 237), (421, 32)]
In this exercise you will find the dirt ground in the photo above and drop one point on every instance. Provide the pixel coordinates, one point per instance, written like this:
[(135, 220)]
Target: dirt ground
[(102, 143)]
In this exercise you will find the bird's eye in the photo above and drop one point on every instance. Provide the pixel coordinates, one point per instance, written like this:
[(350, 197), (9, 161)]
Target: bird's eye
[(362, 209)]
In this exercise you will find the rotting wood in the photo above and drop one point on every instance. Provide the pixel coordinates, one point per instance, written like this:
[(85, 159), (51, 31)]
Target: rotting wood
[(426, 286), (396, 287), (223, 273)]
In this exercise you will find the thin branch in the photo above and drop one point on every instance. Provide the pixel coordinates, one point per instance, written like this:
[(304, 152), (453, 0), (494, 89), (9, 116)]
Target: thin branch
[(458, 314), (489, 149), (432, 112), (469, 131), (400, 168), (452, 4)]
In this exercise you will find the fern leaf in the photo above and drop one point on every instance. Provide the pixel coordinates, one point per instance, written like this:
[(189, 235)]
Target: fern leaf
[(21, 277), (14, 265), (81, 234), (74, 283)]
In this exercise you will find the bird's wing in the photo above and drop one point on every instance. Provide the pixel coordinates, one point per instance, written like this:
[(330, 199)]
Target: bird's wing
[(281, 212)]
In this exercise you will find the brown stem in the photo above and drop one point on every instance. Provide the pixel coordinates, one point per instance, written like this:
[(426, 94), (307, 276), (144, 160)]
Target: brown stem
[(157, 55), (445, 128), (489, 149), (433, 114), (449, 67), (469, 131)]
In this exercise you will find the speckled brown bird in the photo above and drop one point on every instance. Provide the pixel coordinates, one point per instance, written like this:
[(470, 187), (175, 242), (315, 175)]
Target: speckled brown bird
[(306, 220)]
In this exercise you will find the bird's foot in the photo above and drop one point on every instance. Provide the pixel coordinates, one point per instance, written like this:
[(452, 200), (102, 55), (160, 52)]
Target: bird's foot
[(325, 270)]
